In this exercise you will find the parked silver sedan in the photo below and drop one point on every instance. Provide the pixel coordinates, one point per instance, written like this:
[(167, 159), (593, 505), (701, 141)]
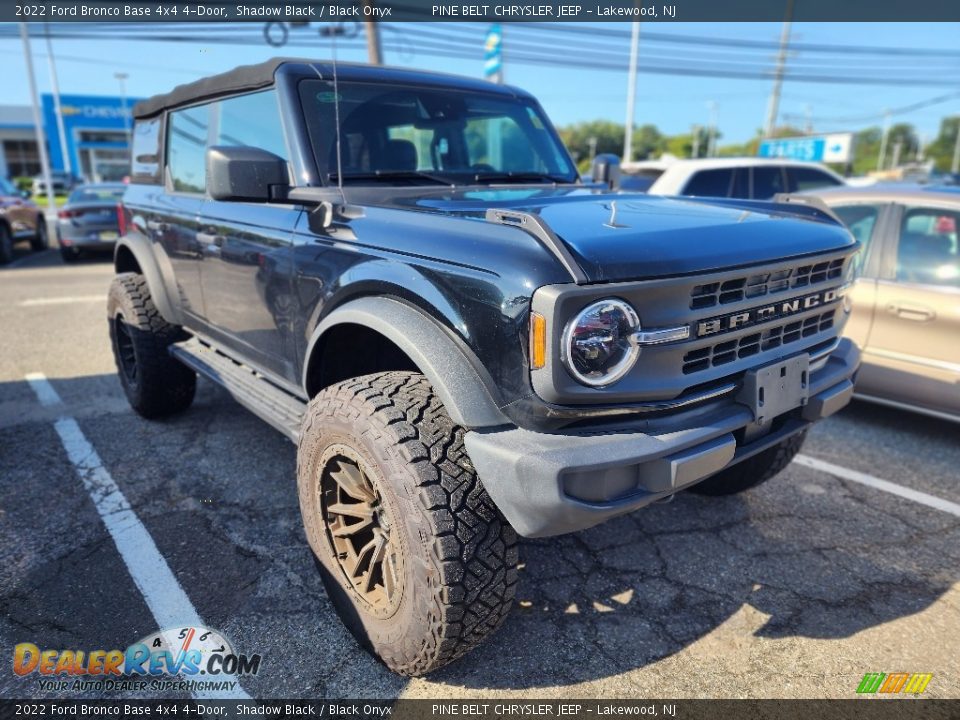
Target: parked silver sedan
[(89, 220), (906, 303)]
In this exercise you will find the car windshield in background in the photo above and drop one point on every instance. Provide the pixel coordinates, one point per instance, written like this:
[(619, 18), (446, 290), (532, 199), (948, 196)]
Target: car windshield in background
[(97, 194), (415, 135)]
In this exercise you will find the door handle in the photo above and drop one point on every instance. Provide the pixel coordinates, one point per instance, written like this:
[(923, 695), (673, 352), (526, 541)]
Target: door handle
[(916, 313)]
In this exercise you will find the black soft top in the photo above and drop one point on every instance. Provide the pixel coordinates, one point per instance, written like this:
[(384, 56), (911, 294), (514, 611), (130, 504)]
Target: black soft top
[(261, 75)]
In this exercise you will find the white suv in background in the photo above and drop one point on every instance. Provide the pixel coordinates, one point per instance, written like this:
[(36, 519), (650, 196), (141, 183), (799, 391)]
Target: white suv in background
[(747, 178)]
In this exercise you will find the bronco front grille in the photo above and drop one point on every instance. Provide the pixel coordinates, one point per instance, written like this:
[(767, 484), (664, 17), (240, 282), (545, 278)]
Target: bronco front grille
[(726, 352), (754, 286)]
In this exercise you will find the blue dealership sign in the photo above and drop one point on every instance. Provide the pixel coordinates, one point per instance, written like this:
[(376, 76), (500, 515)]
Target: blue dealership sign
[(833, 148)]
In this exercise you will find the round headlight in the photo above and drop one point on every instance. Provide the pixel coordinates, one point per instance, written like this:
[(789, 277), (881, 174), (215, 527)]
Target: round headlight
[(597, 347)]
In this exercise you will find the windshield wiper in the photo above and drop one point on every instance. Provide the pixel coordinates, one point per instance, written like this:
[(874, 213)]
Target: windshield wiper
[(387, 175), (519, 177)]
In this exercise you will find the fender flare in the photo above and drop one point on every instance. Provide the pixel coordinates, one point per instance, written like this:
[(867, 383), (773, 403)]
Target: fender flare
[(147, 262), (464, 387)]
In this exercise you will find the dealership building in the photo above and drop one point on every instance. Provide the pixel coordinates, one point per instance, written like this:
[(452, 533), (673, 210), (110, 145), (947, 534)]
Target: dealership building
[(96, 132)]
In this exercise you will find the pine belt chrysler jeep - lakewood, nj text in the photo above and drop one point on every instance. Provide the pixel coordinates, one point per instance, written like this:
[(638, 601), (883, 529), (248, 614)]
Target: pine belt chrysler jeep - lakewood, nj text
[(403, 273)]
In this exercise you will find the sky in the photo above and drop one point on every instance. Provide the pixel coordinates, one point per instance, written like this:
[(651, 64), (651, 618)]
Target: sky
[(569, 92)]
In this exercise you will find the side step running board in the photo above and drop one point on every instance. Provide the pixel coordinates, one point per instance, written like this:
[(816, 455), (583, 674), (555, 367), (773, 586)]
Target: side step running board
[(264, 399)]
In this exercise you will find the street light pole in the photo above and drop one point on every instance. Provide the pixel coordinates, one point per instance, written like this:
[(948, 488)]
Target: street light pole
[(122, 79), (38, 120), (55, 87), (712, 131), (631, 92)]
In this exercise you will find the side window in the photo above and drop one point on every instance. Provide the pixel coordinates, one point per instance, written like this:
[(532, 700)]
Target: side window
[(927, 251), (767, 181), (252, 120), (145, 166), (741, 183), (860, 221), (808, 178), (710, 183), (186, 149)]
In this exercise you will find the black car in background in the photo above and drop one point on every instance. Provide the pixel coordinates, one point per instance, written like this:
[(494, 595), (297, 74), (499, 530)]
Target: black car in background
[(89, 220)]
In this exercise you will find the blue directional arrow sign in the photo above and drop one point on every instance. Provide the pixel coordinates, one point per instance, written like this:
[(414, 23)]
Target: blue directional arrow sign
[(834, 148)]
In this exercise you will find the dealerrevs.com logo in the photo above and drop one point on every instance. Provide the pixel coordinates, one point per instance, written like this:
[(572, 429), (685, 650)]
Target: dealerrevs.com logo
[(893, 683), (153, 662)]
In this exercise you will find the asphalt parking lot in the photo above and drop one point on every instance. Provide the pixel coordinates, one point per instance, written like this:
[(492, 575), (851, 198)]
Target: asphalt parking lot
[(795, 589)]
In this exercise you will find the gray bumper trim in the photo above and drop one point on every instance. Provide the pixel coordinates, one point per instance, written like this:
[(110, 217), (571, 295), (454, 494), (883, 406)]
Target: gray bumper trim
[(550, 484)]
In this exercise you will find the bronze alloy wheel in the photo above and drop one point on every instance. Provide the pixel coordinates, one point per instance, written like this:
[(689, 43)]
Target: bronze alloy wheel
[(360, 530)]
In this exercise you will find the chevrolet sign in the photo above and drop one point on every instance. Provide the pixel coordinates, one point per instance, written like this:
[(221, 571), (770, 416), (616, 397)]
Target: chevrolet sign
[(746, 318)]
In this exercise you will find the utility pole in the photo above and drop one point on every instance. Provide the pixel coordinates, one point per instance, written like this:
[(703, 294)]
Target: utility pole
[(631, 92), (38, 120), (897, 147), (883, 141), (695, 148), (374, 51), (808, 113), (55, 87), (773, 106), (955, 165), (712, 129)]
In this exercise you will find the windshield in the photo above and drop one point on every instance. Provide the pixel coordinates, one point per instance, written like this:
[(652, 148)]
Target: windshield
[(408, 134), (97, 194)]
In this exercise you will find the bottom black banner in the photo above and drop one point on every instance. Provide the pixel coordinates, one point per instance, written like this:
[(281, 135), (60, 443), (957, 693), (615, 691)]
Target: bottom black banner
[(868, 709)]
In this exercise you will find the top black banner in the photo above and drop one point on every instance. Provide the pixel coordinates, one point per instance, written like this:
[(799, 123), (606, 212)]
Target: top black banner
[(860, 11)]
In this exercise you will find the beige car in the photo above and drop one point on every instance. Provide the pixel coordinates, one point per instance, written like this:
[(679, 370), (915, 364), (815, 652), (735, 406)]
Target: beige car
[(906, 303)]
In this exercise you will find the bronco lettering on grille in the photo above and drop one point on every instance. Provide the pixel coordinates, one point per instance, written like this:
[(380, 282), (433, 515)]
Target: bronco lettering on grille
[(747, 318)]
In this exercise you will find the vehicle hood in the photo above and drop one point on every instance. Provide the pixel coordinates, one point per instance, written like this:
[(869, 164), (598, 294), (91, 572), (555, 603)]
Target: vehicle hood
[(627, 237)]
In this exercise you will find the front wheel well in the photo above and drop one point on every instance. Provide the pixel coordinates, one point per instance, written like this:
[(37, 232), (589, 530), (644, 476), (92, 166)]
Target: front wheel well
[(349, 350), (125, 261)]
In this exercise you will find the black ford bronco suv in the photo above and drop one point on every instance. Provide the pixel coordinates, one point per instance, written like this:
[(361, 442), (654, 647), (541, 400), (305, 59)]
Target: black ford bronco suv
[(403, 273)]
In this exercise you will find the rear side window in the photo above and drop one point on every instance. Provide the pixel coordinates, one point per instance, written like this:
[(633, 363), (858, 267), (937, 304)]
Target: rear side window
[(145, 167), (808, 178), (927, 252), (710, 183), (252, 120), (767, 182), (186, 149)]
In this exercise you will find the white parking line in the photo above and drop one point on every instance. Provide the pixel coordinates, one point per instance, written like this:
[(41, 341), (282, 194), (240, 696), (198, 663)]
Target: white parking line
[(885, 485), (70, 300), (160, 588)]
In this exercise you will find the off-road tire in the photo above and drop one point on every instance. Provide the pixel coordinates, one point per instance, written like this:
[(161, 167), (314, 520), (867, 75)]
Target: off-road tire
[(41, 240), (6, 244), (752, 471), (458, 553), (156, 385)]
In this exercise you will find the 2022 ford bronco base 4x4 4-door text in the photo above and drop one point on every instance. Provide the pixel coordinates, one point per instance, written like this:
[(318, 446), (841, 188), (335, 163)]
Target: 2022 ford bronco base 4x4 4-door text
[(402, 272)]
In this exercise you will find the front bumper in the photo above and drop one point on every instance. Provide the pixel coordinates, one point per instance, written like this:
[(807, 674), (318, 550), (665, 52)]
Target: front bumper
[(554, 483)]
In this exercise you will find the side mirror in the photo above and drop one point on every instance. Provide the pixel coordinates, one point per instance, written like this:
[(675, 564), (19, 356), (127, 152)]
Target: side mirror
[(245, 173), (606, 169)]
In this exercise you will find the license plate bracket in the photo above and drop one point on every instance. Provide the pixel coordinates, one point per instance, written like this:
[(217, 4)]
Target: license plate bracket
[(777, 388)]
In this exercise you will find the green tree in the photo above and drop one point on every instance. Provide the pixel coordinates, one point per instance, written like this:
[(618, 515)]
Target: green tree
[(607, 135), (942, 148)]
